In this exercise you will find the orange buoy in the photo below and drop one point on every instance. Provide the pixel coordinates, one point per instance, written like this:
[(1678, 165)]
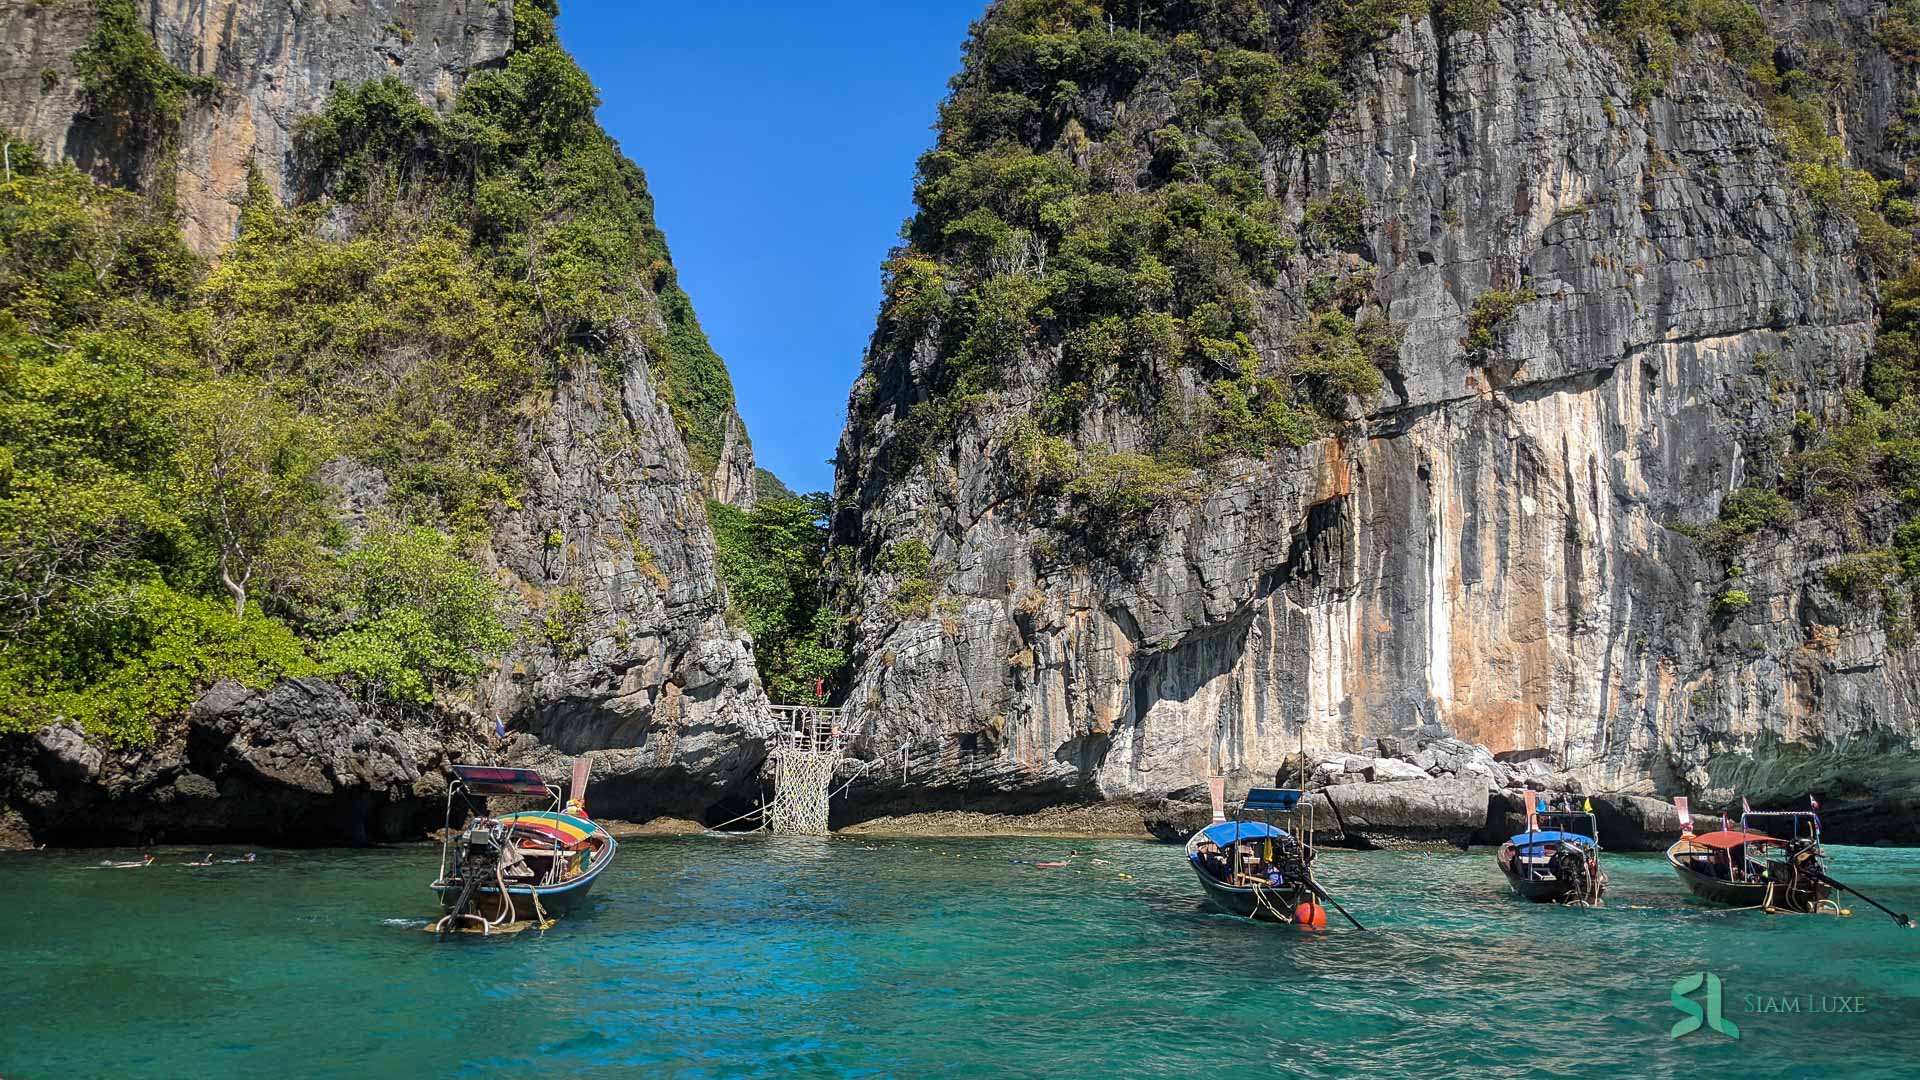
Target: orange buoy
[(1310, 915)]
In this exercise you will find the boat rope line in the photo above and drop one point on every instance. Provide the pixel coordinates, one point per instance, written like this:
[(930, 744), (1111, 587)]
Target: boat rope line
[(761, 810), (755, 812)]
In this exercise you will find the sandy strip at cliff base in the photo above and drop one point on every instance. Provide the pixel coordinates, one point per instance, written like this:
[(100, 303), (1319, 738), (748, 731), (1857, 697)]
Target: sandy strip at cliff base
[(660, 826), (1116, 821)]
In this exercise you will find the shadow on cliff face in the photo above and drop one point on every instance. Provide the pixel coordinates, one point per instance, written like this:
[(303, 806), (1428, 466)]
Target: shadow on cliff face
[(859, 805)]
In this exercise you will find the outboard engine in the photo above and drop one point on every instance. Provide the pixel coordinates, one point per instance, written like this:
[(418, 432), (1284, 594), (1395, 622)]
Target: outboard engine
[(1570, 864), (478, 856), (1797, 880)]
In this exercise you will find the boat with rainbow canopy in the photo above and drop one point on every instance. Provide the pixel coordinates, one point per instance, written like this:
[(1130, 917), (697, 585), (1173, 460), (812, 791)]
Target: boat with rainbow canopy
[(1255, 868), (508, 872)]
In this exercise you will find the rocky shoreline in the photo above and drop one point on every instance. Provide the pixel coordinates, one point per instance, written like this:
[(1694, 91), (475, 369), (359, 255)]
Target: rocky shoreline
[(301, 765)]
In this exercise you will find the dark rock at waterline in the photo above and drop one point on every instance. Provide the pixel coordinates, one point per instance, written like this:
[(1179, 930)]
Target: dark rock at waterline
[(1506, 815), (1626, 822), (302, 764), (1878, 822), (1635, 822), (298, 764)]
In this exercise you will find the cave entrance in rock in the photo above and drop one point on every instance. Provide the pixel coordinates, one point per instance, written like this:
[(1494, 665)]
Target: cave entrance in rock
[(732, 808)]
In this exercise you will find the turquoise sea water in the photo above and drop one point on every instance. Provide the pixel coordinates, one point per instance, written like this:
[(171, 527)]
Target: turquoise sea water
[(724, 957)]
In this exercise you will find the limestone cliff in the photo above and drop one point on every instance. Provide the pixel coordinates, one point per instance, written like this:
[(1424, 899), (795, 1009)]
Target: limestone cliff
[(620, 642), (274, 62), (1615, 303)]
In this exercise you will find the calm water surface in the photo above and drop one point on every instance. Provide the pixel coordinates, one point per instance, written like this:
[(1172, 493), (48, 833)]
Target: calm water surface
[(718, 957)]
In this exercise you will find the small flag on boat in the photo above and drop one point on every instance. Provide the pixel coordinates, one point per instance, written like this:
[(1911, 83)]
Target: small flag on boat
[(1587, 805), (1813, 802), (1745, 806), (1686, 815)]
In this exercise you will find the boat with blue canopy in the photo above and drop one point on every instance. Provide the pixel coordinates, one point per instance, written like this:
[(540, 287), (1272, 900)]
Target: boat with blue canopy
[(507, 872), (1557, 860), (1252, 867)]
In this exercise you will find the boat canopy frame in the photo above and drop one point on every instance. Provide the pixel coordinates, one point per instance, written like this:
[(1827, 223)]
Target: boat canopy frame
[(471, 780), (1290, 805), (1795, 818), (1545, 825)]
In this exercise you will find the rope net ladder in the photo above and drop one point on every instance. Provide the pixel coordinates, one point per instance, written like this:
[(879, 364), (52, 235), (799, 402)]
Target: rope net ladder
[(807, 744)]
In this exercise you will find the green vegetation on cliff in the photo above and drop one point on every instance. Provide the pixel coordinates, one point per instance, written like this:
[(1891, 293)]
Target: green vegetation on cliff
[(128, 82), (772, 560), (556, 225), (1048, 223), (162, 523), (168, 426), (1797, 84)]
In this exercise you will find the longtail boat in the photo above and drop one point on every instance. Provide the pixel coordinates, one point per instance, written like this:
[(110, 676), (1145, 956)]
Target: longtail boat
[(506, 873), (1557, 860), (1256, 869), (1781, 868)]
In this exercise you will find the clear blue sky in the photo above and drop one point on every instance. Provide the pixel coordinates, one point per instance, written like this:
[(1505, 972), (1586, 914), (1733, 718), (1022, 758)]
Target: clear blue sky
[(779, 140)]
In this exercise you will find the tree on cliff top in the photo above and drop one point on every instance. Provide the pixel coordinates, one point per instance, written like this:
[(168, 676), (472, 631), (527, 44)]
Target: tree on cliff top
[(772, 560), (248, 467)]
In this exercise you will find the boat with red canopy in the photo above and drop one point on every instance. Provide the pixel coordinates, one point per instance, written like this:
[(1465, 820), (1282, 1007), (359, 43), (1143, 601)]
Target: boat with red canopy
[(1780, 867), (518, 869)]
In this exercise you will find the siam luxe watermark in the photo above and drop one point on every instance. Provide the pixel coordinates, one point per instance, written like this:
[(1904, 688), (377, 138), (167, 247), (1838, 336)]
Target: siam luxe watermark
[(1711, 1015), (1710, 1012)]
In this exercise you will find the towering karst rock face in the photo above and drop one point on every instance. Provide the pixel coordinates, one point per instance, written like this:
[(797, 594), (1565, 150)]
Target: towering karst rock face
[(619, 639), (1263, 375)]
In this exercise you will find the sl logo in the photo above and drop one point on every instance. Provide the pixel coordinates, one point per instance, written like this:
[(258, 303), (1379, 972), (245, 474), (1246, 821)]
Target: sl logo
[(1686, 1005)]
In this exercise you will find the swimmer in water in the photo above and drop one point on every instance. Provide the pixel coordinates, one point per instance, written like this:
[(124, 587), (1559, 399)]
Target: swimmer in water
[(148, 861)]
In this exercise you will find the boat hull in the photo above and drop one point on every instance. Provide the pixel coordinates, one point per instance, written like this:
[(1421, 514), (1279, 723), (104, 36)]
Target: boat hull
[(568, 896), (1264, 905), (1715, 890)]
